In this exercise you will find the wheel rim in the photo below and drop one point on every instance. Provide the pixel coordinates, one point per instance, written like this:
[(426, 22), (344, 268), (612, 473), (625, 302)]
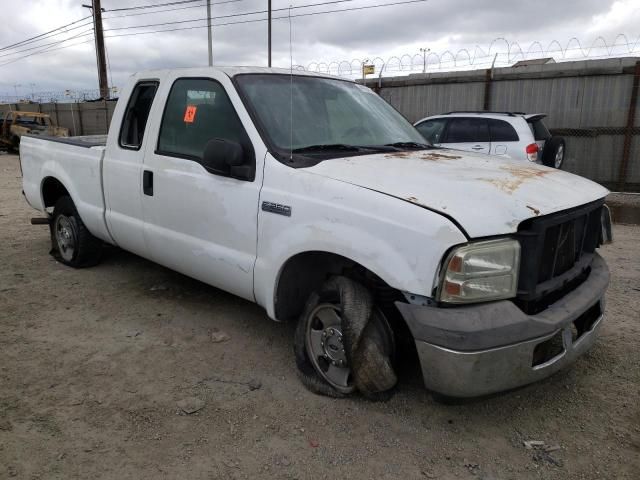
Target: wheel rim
[(65, 237), (559, 156), (326, 349)]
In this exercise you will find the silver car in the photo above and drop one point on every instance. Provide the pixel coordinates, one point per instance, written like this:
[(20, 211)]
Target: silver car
[(512, 134)]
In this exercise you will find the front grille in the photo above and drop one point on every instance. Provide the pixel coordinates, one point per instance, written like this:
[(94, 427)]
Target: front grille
[(557, 251)]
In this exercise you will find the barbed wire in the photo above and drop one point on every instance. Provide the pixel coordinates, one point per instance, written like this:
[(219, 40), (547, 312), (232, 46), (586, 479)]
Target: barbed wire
[(510, 53), (500, 52)]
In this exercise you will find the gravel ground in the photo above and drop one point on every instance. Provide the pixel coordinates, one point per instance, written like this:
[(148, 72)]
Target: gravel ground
[(97, 365)]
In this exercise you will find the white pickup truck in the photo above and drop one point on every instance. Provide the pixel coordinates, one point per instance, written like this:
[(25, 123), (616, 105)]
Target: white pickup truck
[(314, 198)]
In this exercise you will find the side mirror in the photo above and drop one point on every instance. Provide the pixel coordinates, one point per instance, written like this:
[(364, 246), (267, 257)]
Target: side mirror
[(222, 157)]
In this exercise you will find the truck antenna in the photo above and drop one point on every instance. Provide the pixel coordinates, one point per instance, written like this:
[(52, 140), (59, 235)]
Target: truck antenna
[(290, 91)]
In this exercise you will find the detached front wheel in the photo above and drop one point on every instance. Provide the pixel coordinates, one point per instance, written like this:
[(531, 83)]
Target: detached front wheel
[(72, 244), (343, 342)]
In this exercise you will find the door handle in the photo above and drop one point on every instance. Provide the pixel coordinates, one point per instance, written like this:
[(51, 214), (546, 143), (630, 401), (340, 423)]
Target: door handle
[(147, 183), (477, 147)]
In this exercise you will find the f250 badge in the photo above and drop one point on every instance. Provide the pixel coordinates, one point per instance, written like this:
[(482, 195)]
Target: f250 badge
[(277, 208)]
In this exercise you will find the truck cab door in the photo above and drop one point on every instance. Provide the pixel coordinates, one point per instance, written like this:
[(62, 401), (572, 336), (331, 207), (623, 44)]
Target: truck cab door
[(468, 134), (122, 169), (201, 221)]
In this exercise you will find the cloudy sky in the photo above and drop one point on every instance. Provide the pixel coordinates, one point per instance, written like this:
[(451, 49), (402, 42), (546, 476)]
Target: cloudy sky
[(403, 28)]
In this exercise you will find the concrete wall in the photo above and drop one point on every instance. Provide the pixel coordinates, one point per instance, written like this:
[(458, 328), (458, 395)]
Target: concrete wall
[(587, 102)]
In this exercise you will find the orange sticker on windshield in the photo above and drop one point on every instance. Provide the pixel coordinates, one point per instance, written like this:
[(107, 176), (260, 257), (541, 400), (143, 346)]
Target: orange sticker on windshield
[(190, 113)]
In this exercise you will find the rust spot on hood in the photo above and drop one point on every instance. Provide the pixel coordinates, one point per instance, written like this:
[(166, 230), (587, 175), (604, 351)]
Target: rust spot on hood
[(399, 155), (517, 176), (438, 156), (534, 210), (412, 199), (431, 156)]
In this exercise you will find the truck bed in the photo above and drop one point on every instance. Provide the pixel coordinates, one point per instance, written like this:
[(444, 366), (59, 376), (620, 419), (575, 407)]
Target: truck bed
[(76, 162), (86, 141)]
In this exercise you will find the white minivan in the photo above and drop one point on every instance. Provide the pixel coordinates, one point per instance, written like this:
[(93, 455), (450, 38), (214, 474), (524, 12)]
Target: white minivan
[(512, 134)]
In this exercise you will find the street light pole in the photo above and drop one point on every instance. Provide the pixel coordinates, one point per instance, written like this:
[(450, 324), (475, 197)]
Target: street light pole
[(424, 59), (209, 34)]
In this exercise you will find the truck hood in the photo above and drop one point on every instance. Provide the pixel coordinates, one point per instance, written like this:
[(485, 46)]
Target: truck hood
[(485, 195)]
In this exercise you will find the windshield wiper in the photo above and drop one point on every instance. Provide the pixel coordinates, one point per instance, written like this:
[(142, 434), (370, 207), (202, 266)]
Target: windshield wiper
[(328, 147), (414, 145)]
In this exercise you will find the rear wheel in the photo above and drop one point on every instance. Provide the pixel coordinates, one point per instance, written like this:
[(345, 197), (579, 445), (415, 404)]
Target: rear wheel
[(15, 144), (343, 343), (554, 152), (72, 244)]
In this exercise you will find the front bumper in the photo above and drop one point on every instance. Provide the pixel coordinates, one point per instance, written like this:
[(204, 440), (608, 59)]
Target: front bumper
[(476, 350)]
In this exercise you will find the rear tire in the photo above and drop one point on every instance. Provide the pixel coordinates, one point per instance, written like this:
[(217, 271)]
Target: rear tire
[(344, 344), (554, 152), (15, 144), (71, 242)]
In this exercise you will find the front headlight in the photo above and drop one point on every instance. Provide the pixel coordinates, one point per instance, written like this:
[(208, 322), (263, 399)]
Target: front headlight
[(481, 271)]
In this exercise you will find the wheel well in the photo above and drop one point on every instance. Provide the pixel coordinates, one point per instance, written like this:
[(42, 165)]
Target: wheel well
[(305, 272), (52, 190)]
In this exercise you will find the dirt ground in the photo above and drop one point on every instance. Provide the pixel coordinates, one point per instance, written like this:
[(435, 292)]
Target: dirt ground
[(94, 362)]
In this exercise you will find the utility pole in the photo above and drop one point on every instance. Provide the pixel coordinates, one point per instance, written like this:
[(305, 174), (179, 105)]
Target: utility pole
[(269, 30), (103, 84), (209, 34)]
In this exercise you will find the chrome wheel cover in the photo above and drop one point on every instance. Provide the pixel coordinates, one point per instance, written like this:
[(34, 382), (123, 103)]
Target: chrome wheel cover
[(559, 157), (324, 342), (65, 235)]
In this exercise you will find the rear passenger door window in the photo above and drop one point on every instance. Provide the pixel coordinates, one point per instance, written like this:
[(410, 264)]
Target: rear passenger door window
[(504, 138), (432, 130), (197, 111), (470, 134), (135, 117), (502, 131)]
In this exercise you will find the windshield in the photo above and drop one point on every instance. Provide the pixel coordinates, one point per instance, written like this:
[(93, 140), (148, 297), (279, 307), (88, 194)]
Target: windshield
[(332, 114)]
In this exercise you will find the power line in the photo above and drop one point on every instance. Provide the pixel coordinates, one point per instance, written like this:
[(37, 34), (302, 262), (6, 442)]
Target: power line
[(45, 50), (43, 34), (170, 9), (45, 37), (51, 33), (47, 44), (255, 12), (50, 49), (264, 19), (153, 5)]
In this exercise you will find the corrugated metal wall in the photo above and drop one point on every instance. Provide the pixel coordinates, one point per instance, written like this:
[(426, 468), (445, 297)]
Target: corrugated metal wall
[(592, 94)]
